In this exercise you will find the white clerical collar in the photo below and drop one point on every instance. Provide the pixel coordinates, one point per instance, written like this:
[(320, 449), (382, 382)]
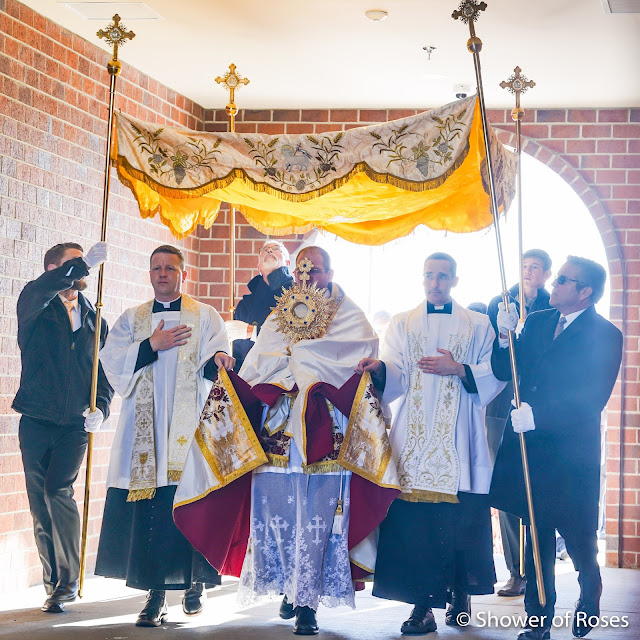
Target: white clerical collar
[(167, 305)]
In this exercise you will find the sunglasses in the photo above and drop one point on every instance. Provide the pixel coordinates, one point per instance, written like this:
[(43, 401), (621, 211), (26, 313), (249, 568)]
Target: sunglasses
[(562, 279), (313, 272)]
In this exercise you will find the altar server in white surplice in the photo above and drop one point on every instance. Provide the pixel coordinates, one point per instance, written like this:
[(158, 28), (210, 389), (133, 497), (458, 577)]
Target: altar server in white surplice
[(161, 357), (435, 544)]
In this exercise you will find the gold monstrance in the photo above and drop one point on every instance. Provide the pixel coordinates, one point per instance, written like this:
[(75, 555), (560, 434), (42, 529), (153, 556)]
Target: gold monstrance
[(303, 312)]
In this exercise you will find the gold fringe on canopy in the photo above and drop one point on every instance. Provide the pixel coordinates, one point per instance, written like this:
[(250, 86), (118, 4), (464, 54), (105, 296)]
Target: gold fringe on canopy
[(367, 185)]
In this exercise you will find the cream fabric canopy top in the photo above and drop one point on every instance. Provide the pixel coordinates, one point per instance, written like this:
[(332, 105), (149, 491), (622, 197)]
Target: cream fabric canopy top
[(368, 185)]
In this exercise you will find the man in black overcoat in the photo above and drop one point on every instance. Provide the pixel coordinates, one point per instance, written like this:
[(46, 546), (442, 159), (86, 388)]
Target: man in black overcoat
[(568, 359)]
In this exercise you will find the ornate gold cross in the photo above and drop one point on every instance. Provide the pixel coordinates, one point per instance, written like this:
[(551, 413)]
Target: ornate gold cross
[(232, 81), (116, 34), (517, 84), (468, 11)]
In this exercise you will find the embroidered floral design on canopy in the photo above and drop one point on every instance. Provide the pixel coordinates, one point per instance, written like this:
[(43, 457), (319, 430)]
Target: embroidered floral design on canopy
[(368, 185)]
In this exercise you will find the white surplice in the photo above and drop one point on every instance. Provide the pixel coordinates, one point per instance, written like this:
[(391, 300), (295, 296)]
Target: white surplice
[(425, 400), (118, 358)]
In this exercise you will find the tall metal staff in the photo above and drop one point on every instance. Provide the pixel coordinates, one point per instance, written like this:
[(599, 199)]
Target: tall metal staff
[(518, 84), (232, 81), (468, 12), (115, 34)]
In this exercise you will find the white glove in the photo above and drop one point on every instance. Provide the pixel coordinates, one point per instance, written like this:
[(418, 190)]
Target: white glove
[(93, 421), (239, 330), (96, 255), (519, 328), (522, 418), (507, 320)]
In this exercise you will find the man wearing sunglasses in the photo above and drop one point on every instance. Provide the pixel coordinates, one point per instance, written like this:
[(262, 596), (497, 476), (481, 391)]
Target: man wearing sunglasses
[(568, 359), (536, 270)]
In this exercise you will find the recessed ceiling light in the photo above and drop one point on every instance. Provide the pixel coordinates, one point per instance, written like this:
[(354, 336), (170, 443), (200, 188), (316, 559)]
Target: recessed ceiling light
[(104, 11), (376, 14)]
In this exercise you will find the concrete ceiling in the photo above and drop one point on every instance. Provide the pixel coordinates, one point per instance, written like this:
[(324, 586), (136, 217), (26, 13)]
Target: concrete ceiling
[(312, 54)]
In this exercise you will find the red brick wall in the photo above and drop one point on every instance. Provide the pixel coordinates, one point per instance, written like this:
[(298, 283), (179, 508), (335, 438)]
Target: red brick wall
[(53, 97), (53, 107)]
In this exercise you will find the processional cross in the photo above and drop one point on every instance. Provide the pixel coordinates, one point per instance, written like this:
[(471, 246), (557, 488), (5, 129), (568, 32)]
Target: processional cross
[(517, 84), (115, 34)]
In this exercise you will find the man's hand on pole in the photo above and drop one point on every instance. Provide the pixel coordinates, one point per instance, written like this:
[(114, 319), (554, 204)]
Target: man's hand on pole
[(522, 418), (93, 420), (507, 320), (96, 255)]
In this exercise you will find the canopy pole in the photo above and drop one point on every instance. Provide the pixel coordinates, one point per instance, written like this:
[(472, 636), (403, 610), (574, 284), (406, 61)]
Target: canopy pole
[(232, 81), (468, 13), (114, 34), (518, 84)]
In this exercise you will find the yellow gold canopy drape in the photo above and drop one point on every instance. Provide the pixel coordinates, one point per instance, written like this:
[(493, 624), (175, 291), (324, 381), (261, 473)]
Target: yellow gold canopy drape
[(367, 185)]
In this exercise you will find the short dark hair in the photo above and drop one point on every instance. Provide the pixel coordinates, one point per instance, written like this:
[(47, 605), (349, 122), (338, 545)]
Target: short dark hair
[(54, 255), (591, 275), (168, 248), (325, 256), (541, 255), (439, 255)]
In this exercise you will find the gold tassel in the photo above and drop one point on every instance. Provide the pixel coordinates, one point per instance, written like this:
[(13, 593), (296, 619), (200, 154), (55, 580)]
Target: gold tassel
[(141, 494), (337, 520), (174, 475)]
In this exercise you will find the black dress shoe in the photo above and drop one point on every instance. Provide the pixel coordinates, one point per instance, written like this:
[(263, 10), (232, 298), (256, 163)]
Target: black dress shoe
[(287, 610), (193, 599), (306, 623), (535, 633), (513, 587), (585, 617), (61, 594), (155, 612), (420, 621), (459, 611), (52, 607)]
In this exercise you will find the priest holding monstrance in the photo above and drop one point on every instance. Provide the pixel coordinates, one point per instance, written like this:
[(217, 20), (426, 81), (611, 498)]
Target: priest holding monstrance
[(320, 479)]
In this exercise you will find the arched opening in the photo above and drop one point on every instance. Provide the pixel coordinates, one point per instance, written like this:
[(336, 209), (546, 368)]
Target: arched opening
[(389, 277)]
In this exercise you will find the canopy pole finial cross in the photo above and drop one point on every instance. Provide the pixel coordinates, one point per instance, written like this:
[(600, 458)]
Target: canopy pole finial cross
[(232, 81), (517, 84), (115, 34)]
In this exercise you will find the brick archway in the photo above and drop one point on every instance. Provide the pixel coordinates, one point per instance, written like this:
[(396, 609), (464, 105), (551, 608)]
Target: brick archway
[(618, 314)]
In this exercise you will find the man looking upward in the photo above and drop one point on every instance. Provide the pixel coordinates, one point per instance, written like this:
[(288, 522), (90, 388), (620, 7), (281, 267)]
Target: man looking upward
[(255, 306)]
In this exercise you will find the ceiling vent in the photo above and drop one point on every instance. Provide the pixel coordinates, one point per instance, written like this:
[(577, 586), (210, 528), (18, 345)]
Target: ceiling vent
[(104, 11), (621, 6)]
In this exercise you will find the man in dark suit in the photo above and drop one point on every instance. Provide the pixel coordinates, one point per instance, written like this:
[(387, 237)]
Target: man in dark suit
[(568, 359), (56, 327)]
